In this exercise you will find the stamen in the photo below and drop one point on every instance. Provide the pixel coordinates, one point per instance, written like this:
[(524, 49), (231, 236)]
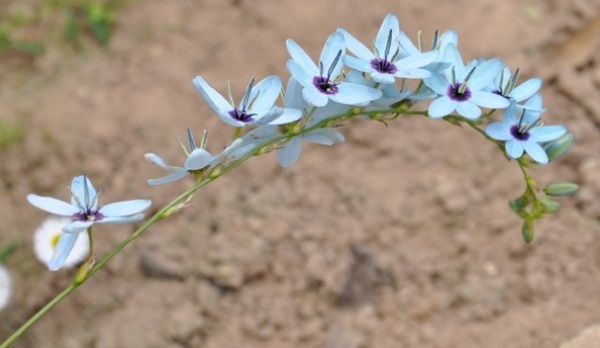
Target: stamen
[(247, 95), (335, 62), (191, 140), (435, 43), (463, 86), (86, 193), (388, 45), (204, 139), (512, 82)]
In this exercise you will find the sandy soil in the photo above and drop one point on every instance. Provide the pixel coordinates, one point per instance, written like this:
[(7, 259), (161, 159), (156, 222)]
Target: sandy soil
[(401, 237)]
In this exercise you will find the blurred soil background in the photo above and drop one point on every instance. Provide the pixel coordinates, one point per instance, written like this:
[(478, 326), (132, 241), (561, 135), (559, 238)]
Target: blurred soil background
[(400, 237)]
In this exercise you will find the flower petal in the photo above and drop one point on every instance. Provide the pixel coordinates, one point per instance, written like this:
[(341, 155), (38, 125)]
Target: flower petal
[(52, 205), (417, 60), (63, 248), (264, 95), (84, 192), (293, 95), (121, 219), (287, 116), (289, 154), (526, 89), (333, 46), (125, 208), (326, 136), (358, 64), (314, 97), (535, 151), (514, 148), (437, 83), (158, 161), (299, 74), (489, 100), (547, 133), (177, 175), (354, 94), (484, 74), (390, 25), (441, 107), (301, 58), (215, 100), (77, 226), (198, 159), (498, 131), (356, 47), (468, 110)]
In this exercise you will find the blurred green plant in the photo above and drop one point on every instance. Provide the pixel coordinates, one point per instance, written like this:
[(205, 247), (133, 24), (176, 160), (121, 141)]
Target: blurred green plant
[(72, 19), (10, 134)]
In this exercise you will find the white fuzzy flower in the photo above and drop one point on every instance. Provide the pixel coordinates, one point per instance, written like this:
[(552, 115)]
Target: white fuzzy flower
[(46, 238), (5, 287)]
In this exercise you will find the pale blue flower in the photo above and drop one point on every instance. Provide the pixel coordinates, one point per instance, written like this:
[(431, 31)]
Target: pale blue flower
[(256, 108), (523, 131), (289, 153), (506, 85), (198, 159), (84, 212), (391, 94), (385, 63), (461, 87), (320, 83)]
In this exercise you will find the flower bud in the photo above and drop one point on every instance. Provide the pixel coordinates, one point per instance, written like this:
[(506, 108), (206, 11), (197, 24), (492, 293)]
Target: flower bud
[(562, 189), (518, 205), (557, 148), (550, 206), (527, 230)]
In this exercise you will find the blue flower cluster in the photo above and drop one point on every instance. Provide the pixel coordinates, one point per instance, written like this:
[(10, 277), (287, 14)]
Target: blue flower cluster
[(348, 74)]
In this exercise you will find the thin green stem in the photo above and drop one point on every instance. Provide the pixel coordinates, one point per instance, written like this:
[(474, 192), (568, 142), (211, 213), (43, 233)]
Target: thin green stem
[(213, 175)]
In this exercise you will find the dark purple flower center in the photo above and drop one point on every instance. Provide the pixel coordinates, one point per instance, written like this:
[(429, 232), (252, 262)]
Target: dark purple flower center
[(88, 215), (458, 93), (500, 93), (325, 85), (241, 115), (518, 133), (383, 66)]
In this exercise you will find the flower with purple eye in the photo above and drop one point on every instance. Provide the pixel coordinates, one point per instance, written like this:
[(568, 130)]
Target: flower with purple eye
[(320, 84), (385, 64), (84, 212), (256, 108), (289, 152), (523, 131), (506, 85), (461, 87)]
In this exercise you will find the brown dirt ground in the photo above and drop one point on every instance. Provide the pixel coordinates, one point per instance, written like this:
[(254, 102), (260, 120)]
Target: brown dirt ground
[(400, 237)]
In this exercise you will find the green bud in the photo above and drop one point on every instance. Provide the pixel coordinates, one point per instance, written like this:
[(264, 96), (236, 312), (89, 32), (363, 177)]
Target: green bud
[(562, 189), (557, 148), (550, 206), (518, 205), (84, 270), (527, 230)]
